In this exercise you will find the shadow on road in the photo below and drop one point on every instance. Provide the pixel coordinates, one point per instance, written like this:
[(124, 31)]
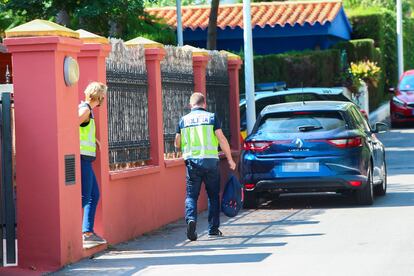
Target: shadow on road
[(250, 237)]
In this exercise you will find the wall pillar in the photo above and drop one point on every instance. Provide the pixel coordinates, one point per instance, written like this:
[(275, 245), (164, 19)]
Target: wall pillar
[(46, 127), (233, 66), (92, 65), (200, 61), (199, 69), (154, 53)]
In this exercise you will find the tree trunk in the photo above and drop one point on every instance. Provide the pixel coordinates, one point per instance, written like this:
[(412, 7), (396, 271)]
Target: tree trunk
[(212, 25), (115, 29), (62, 18)]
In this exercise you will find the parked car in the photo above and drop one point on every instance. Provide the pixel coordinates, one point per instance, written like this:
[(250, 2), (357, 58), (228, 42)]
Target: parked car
[(402, 103), (265, 96), (319, 146)]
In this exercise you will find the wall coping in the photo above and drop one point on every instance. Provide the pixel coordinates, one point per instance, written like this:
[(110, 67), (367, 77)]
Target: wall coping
[(132, 172), (40, 27), (147, 43), (88, 37)]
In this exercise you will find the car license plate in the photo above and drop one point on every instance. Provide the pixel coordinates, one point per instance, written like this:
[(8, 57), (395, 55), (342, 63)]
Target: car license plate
[(300, 167)]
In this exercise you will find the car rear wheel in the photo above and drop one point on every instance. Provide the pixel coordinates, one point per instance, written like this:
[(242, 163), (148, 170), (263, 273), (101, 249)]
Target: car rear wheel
[(365, 196), (380, 190), (250, 200)]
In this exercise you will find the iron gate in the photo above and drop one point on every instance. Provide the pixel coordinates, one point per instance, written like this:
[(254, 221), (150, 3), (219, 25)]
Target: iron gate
[(8, 246)]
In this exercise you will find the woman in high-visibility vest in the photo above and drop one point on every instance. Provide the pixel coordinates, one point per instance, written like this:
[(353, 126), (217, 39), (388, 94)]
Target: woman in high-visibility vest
[(94, 97)]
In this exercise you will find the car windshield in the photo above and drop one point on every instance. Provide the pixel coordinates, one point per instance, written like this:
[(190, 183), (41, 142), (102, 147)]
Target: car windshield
[(407, 83), (295, 122)]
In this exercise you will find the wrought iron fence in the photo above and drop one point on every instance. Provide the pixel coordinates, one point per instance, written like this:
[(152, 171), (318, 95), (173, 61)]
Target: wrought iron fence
[(128, 133), (177, 87), (217, 87)]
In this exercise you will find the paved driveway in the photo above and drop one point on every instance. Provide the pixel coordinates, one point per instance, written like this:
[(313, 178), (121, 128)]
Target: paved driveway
[(294, 235)]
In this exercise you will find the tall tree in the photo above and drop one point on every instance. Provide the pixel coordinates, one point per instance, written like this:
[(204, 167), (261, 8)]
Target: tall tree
[(212, 25), (116, 17)]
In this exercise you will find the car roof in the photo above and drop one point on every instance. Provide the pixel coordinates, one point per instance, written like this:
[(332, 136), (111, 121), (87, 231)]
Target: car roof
[(314, 90), (307, 106), (408, 73)]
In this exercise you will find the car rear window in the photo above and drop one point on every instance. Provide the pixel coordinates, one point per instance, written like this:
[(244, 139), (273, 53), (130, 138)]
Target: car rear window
[(300, 97), (295, 122)]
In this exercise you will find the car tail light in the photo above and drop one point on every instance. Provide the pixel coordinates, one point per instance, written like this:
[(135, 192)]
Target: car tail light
[(355, 183), (262, 145), (302, 113), (346, 142), (364, 113), (257, 145), (249, 186)]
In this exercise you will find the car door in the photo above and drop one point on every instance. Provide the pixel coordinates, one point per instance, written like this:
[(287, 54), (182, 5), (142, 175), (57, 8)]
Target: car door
[(375, 144)]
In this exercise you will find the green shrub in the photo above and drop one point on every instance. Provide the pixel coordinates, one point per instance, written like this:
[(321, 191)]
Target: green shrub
[(358, 49), (297, 69), (378, 24)]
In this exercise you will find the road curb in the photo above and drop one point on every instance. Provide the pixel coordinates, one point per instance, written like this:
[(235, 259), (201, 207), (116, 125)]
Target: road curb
[(380, 114)]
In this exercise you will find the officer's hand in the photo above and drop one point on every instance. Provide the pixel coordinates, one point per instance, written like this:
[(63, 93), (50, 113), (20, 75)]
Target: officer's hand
[(232, 165)]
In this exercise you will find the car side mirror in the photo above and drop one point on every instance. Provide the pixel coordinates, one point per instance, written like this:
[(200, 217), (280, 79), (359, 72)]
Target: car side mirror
[(391, 90), (380, 127)]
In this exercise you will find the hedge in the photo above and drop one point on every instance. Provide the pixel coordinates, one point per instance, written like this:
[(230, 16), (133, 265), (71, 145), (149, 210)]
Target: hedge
[(359, 49), (297, 69), (364, 49), (379, 24)]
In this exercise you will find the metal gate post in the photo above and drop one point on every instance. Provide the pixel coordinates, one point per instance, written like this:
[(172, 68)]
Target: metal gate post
[(9, 239)]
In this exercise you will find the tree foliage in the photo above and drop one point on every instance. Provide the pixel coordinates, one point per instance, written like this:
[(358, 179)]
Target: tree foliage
[(118, 18)]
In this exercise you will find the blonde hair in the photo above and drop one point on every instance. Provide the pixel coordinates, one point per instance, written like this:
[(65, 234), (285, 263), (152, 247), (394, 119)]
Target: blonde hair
[(197, 98), (95, 91)]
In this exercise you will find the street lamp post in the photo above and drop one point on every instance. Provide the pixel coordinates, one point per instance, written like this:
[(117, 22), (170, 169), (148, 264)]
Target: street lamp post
[(400, 39), (248, 67), (179, 23)]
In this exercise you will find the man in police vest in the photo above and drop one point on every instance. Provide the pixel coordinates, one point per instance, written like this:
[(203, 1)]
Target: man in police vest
[(198, 136)]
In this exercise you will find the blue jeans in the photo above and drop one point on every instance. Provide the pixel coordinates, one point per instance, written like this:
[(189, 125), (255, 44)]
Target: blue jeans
[(196, 174), (90, 195)]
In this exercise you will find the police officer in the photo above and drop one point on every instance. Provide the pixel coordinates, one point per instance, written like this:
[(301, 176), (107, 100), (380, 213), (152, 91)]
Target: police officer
[(198, 136)]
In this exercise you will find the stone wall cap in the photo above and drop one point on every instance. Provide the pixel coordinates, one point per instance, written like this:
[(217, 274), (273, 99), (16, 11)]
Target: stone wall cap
[(89, 38), (196, 51), (147, 43), (40, 27), (230, 56)]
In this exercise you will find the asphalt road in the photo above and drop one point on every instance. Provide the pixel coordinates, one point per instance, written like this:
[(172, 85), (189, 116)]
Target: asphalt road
[(295, 235)]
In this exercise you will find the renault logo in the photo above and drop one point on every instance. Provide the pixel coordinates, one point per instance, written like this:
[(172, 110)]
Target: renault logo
[(298, 142)]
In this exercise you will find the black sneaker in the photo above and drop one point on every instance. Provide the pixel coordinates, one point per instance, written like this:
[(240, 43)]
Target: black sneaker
[(215, 233), (191, 230)]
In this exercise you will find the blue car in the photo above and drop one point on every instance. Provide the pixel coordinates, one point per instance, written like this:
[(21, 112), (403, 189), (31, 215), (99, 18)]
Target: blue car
[(317, 146), (265, 96)]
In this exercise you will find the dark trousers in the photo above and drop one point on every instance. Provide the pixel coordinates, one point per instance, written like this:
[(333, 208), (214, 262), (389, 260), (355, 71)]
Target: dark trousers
[(196, 174)]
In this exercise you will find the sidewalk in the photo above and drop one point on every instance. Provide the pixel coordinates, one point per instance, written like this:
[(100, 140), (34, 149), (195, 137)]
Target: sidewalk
[(250, 237)]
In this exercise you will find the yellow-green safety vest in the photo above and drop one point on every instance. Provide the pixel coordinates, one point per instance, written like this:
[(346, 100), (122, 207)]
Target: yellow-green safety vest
[(199, 141), (88, 138)]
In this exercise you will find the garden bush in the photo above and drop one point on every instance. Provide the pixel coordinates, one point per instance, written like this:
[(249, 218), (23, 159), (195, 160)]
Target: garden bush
[(297, 69)]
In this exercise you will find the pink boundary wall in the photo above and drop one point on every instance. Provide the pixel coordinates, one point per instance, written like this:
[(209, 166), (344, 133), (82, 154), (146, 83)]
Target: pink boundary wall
[(133, 201)]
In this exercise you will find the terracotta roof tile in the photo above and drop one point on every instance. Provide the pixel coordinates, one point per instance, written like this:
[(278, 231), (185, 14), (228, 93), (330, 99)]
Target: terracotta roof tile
[(267, 13)]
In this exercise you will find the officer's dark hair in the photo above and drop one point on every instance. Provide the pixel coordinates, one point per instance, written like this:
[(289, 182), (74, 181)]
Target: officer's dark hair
[(197, 99)]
